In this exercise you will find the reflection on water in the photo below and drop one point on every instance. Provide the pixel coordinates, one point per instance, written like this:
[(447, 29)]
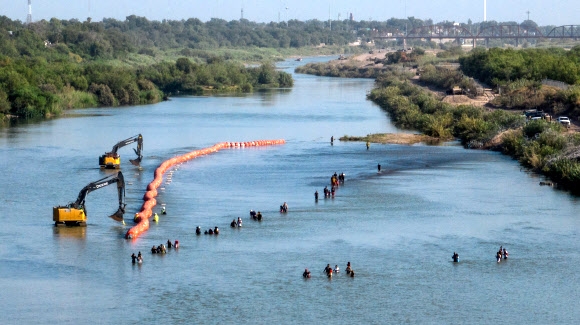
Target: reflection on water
[(70, 232)]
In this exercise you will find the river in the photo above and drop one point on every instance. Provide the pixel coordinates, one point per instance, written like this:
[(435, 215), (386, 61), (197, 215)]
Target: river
[(398, 228)]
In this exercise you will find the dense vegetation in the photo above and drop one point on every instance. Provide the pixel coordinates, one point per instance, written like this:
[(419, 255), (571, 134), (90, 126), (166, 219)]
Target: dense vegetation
[(540, 145), (40, 78), (40, 88), (343, 70), (447, 78), (518, 75), (413, 108), (497, 66)]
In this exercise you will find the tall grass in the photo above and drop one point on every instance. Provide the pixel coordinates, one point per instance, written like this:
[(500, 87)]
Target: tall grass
[(71, 98)]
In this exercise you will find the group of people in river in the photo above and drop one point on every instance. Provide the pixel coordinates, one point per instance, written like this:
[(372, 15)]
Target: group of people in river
[(327, 193), (236, 224), (254, 216), (284, 208), (329, 271), (162, 249), (214, 231), (335, 181), (136, 258), (155, 216), (501, 253)]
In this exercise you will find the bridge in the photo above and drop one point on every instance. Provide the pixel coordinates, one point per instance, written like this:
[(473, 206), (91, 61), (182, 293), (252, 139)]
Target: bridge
[(516, 32)]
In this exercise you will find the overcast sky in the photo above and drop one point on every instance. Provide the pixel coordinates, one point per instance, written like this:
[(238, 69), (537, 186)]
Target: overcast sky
[(554, 12)]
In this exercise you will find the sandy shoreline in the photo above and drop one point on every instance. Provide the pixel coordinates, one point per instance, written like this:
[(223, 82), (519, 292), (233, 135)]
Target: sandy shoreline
[(393, 138)]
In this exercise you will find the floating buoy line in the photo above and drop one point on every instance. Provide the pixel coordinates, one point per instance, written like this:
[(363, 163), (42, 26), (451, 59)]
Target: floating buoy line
[(142, 217)]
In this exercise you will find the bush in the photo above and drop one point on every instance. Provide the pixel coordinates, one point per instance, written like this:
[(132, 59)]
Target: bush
[(512, 143), (71, 98), (104, 95), (535, 127), (566, 171)]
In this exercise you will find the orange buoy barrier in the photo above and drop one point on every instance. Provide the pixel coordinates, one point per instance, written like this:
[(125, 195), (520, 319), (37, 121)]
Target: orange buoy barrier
[(142, 217)]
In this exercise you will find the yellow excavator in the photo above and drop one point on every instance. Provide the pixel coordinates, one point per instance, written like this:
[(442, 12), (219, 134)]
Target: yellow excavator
[(75, 213), (113, 159)]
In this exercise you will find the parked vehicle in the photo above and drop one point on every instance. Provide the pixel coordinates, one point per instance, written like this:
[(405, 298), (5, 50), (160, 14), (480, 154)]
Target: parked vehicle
[(534, 113), (564, 121)]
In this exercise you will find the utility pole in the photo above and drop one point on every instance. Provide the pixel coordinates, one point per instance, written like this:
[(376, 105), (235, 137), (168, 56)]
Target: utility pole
[(29, 16), (329, 18), (528, 12), (405, 39), (242, 11)]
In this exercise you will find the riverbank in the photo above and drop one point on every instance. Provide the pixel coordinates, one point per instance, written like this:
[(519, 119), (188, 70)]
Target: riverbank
[(545, 147)]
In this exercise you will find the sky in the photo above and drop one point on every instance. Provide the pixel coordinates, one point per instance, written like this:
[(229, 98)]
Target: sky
[(554, 12)]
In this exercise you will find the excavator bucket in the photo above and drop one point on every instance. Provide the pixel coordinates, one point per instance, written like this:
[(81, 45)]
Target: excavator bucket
[(118, 216), (136, 162)]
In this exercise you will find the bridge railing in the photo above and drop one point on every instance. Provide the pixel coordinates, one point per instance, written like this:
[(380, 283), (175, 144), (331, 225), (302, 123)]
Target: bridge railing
[(566, 31)]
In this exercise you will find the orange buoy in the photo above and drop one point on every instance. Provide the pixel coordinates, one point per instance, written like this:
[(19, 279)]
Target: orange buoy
[(142, 217)]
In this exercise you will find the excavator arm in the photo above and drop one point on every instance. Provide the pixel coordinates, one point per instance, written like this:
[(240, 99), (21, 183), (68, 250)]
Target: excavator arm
[(113, 160), (76, 212)]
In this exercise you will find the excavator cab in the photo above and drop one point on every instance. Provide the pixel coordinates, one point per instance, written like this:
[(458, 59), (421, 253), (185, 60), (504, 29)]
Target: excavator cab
[(112, 160), (69, 215), (74, 214)]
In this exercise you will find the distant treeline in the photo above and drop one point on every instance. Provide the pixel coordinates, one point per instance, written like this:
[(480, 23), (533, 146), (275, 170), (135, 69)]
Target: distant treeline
[(112, 38)]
